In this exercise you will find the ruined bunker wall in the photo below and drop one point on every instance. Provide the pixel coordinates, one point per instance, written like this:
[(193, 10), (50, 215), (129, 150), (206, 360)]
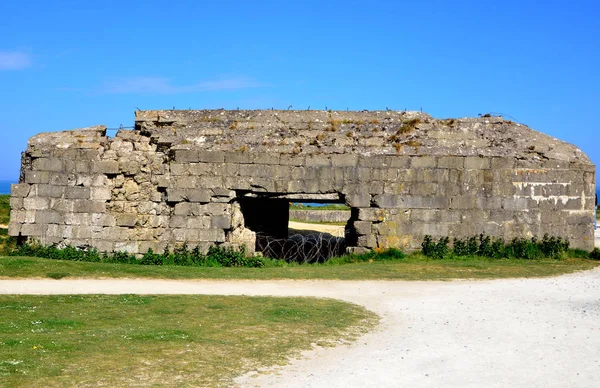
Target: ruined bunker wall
[(147, 189)]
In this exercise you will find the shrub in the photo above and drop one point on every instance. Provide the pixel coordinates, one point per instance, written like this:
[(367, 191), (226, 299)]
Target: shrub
[(485, 246), (595, 254), (553, 246), (182, 256), (435, 250)]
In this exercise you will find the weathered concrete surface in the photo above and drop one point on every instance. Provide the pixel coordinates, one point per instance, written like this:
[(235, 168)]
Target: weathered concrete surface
[(194, 177)]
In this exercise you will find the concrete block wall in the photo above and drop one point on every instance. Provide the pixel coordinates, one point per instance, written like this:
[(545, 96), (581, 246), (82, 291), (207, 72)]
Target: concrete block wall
[(174, 180)]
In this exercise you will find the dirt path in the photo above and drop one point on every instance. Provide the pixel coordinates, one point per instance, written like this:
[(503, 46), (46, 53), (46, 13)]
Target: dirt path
[(516, 332), (334, 230)]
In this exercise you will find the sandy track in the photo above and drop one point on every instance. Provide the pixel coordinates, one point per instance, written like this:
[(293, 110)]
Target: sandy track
[(334, 230), (516, 332)]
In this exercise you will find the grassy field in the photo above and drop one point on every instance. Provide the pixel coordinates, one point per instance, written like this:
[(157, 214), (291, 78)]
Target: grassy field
[(413, 267), (4, 209), (129, 340), (4, 219)]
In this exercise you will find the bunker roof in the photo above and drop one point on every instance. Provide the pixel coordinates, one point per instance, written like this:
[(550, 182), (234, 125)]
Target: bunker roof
[(359, 132)]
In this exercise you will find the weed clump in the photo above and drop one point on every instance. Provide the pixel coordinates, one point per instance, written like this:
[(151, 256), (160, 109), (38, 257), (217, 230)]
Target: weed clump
[(485, 246), (182, 256), (408, 126)]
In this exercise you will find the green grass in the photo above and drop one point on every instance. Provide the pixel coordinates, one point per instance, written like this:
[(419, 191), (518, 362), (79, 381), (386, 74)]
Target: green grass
[(412, 267), (129, 340), (330, 206)]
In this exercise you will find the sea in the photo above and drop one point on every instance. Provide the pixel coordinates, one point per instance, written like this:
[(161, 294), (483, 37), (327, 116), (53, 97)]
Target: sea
[(5, 186)]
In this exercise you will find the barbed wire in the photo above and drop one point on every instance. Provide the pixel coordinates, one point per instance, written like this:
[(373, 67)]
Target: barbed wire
[(299, 248)]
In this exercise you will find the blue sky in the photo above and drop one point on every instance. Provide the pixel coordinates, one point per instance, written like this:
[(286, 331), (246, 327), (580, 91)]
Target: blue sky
[(69, 64)]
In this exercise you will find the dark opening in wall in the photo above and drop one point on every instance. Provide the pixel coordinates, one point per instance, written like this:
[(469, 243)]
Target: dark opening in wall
[(299, 231)]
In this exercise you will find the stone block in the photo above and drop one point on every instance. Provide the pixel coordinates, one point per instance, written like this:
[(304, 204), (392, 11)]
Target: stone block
[(14, 228), (373, 161), (238, 157), (196, 222), (33, 230), (47, 164), (265, 158), (48, 191), (131, 247), (210, 182), (33, 177), (570, 204), (129, 167), (373, 214), (292, 160), (426, 215), (362, 227), (318, 161), (104, 220), (77, 192), (410, 202), (211, 156), (106, 167), (489, 203), (16, 203), (198, 195), (397, 161), (88, 206), (423, 162), (220, 222), (183, 209), (185, 155), (362, 200), (477, 163), (503, 163), (424, 189), (457, 162), (212, 235), (36, 203), (101, 193), (126, 219), (435, 229), (198, 169), (48, 217), (368, 241), (20, 190), (344, 160), (176, 195), (82, 166), (222, 192), (515, 203)]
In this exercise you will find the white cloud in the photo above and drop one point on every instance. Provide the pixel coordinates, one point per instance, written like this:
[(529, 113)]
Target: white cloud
[(161, 85), (14, 60)]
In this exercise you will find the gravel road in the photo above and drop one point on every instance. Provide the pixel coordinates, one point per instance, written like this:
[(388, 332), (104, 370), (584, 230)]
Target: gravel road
[(515, 332)]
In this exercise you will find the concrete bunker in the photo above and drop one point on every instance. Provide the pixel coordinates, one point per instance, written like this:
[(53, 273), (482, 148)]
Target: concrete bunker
[(183, 177)]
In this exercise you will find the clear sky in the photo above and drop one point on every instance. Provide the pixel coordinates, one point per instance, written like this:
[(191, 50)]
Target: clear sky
[(69, 64)]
